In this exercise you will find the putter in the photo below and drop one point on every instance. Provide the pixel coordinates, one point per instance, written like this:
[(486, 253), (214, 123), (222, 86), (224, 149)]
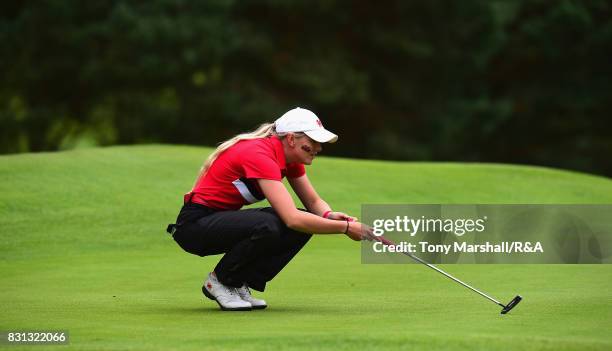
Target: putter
[(505, 308)]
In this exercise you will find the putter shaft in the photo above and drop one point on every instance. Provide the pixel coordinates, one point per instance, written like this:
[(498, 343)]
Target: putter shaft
[(388, 242)]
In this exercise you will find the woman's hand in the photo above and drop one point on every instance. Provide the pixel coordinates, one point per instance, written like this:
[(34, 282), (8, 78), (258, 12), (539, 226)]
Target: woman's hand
[(356, 230), (359, 231), (339, 216)]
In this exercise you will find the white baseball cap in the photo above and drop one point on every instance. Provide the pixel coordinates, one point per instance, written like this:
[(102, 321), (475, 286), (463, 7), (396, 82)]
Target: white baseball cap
[(303, 120)]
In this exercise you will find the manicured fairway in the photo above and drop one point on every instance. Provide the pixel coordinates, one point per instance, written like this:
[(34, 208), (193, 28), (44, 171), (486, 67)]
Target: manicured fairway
[(83, 249)]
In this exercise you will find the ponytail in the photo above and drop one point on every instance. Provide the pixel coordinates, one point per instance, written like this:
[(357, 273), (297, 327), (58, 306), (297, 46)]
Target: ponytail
[(262, 131)]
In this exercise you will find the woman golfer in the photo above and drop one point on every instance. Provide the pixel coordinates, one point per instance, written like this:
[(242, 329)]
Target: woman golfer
[(258, 242)]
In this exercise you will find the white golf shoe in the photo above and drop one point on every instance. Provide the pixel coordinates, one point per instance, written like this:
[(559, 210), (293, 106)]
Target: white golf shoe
[(245, 293), (226, 296)]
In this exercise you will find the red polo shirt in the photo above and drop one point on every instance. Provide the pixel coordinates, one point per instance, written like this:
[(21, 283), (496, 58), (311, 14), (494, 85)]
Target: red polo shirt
[(231, 181)]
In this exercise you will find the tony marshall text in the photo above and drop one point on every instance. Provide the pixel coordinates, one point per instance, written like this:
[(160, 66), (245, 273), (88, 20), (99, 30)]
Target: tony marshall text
[(487, 247)]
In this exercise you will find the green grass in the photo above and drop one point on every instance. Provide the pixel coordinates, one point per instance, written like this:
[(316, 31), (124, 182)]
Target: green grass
[(83, 249)]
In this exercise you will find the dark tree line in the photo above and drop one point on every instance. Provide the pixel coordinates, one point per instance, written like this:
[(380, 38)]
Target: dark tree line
[(495, 81)]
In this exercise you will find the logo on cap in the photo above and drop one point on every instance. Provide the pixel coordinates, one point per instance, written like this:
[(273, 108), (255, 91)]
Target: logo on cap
[(319, 123)]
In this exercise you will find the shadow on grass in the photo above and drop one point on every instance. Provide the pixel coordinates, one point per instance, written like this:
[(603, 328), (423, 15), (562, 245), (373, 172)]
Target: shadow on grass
[(214, 309)]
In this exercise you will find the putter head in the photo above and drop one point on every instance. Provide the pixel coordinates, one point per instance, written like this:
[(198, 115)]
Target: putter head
[(515, 301)]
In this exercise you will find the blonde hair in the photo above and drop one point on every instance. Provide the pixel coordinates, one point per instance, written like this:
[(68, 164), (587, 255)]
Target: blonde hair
[(264, 130)]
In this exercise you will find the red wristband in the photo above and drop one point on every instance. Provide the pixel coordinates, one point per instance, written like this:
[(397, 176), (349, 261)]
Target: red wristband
[(326, 213)]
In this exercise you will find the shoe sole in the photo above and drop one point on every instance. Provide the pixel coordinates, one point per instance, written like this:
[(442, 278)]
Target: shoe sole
[(210, 296)]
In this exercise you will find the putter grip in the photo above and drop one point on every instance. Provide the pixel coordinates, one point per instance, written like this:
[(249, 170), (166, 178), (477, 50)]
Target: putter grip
[(385, 241)]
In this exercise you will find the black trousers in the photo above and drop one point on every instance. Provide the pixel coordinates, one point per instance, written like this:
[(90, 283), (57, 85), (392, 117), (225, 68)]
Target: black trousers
[(256, 243)]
